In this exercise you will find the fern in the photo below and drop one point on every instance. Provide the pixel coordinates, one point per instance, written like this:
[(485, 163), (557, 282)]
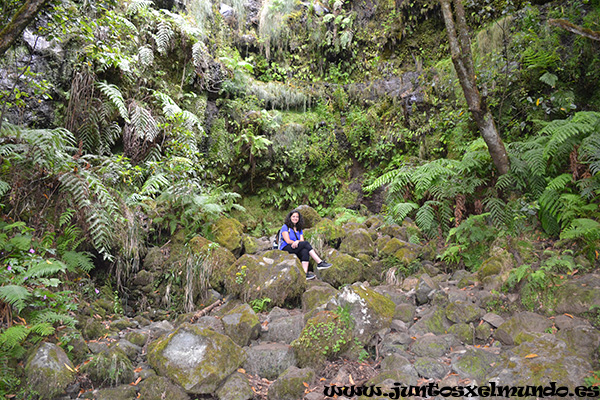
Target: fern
[(582, 228), (78, 260), (46, 268), (145, 56), (15, 295), (498, 211), (47, 318), (163, 36), (13, 336), (113, 93), (136, 6), (154, 184), (143, 123), (399, 211)]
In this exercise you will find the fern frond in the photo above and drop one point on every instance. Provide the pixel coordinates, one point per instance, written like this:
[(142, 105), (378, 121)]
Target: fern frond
[(52, 317), (135, 6), (13, 336), (425, 219), (4, 188), (78, 260), (146, 56), (46, 268), (114, 95), (144, 124), (15, 295), (44, 329), (399, 211), (383, 180), (497, 209), (560, 182), (586, 228), (155, 184), (163, 36)]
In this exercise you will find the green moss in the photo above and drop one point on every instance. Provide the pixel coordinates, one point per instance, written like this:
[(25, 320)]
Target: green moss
[(228, 233), (382, 306), (323, 337), (112, 367)]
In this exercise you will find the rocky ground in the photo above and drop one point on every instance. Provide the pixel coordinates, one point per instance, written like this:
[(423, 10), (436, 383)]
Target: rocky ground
[(347, 329)]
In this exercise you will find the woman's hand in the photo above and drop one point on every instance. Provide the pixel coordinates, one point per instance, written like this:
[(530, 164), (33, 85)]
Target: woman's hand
[(295, 244)]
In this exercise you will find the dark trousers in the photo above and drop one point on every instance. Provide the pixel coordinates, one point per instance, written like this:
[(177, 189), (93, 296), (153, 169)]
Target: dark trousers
[(301, 251)]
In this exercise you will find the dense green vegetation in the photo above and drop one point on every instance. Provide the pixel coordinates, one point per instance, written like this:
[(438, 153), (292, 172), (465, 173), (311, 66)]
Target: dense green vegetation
[(164, 121)]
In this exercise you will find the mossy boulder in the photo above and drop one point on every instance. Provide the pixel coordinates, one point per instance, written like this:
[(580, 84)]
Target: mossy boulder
[(155, 387), (474, 363), (217, 259), (393, 230), (228, 232), (370, 311), (553, 362), (291, 384), (121, 392), (578, 296), (521, 322), (462, 311), (137, 337), (405, 252), (317, 295), (324, 336), (111, 367), (310, 215), (500, 263), (250, 244), (49, 371), (345, 270), (329, 230), (358, 242), (241, 324), (236, 387), (198, 360), (276, 275), (434, 321)]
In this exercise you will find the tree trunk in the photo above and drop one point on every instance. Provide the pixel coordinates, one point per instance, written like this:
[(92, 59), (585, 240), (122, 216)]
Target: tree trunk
[(460, 49), (19, 22)]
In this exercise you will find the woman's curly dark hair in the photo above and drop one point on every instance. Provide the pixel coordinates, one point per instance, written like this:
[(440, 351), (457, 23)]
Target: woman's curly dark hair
[(290, 224)]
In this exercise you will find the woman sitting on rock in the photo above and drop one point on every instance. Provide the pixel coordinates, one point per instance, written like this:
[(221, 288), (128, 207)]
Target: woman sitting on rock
[(291, 239)]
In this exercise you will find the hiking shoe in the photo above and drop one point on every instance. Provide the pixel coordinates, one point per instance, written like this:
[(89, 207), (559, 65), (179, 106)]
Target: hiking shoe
[(310, 276), (323, 265)]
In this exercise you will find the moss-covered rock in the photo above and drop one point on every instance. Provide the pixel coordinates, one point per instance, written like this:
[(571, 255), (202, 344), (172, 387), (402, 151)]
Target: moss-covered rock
[(196, 359), (310, 215), (474, 363), (578, 296), (49, 371), (93, 329), (291, 384), (276, 275), (357, 242), (461, 311), (464, 332), (345, 270), (121, 392), (155, 387), (499, 263), (330, 231), (241, 324), (236, 387), (317, 295), (111, 367), (324, 336), (228, 232), (217, 259), (405, 252), (521, 322), (250, 245), (137, 337), (370, 311)]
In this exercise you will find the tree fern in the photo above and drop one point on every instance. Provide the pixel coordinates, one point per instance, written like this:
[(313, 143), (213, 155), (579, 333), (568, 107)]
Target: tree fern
[(136, 6), (582, 228), (425, 220), (145, 56), (144, 125), (113, 93)]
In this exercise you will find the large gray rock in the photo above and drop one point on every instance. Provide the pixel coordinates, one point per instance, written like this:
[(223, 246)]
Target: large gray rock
[(284, 330), (276, 275), (358, 242), (428, 367), (522, 322), (49, 371), (370, 311), (241, 324), (122, 392), (461, 311), (581, 340), (269, 360), (236, 387), (196, 359)]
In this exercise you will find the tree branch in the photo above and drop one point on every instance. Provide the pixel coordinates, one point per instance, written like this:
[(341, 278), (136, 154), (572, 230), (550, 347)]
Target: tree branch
[(579, 30), (19, 22)]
